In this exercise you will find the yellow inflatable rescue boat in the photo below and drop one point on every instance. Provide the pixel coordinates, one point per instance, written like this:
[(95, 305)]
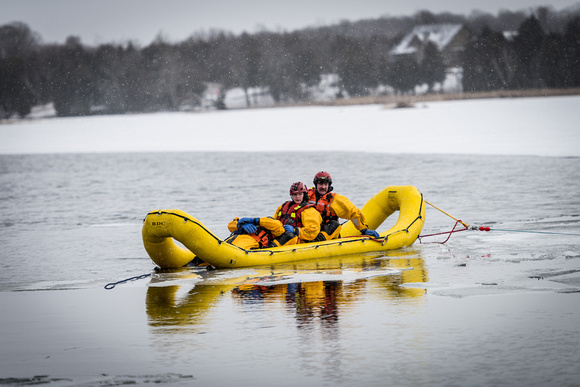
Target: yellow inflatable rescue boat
[(162, 227)]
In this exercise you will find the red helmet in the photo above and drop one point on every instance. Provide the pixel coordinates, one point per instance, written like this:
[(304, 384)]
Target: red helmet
[(298, 187), (322, 177)]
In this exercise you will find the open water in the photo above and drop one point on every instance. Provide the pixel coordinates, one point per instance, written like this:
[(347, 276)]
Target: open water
[(485, 308)]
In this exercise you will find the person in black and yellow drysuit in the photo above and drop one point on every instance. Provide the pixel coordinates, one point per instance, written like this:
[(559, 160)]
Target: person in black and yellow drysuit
[(332, 206), (298, 216), (259, 233)]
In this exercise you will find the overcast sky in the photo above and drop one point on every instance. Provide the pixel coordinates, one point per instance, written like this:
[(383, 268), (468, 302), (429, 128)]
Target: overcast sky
[(118, 21)]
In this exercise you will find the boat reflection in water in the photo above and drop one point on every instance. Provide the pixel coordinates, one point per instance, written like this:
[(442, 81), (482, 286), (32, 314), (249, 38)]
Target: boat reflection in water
[(181, 299)]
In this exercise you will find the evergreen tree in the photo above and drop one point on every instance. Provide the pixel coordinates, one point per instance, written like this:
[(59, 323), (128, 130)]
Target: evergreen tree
[(18, 48), (250, 66), (355, 67), (279, 68), (15, 94), (432, 70), (527, 45), (114, 71), (404, 74), (489, 63), (552, 68), (73, 85), (571, 53), (160, 78)]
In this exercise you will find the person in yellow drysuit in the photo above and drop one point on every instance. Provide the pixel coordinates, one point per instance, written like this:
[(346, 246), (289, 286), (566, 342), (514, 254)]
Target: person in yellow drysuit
[(299, 217), (332, 206), (259, 233), (295, 221)]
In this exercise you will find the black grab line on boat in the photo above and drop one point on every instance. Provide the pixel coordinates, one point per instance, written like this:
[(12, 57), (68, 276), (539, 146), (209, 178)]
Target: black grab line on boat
[(194, 222), (416, 219), (186, 219), (304, 246)]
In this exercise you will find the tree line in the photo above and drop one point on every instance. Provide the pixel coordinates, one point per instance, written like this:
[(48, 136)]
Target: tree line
[(117, 78)]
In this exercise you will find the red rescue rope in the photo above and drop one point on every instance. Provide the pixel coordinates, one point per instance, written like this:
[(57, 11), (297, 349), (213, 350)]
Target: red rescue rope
[(446, 232), (457, 221)]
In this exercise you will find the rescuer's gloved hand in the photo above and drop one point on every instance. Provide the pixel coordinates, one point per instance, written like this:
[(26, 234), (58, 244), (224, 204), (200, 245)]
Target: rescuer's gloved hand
[(255, 221), (248, 228), (288, 228)]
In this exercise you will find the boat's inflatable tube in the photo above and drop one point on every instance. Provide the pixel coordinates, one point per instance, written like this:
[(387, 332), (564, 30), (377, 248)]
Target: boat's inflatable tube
[(162, 227)]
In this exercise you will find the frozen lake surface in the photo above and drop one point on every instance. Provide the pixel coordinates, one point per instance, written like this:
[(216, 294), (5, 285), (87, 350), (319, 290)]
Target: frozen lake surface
[(546, 126), (485, 308)]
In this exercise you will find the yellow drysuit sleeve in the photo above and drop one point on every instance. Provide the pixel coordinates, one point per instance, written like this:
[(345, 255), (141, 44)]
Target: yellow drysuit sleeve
[(274, 226), (233, 225), (270, 224), (346, 210), (311, 221), (277, 211)]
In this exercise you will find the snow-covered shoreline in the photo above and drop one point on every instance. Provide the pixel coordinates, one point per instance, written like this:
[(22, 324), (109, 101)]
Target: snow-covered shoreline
[(544, 126)]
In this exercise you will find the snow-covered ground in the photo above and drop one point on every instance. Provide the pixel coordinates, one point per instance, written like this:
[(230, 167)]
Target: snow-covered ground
[(543, 126)]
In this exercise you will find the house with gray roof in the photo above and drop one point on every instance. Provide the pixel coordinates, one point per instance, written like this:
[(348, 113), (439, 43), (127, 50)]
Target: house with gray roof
[(450, 39)]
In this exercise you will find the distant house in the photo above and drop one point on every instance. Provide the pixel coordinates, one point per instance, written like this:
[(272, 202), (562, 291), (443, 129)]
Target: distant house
[(450, 39), (510, 35)]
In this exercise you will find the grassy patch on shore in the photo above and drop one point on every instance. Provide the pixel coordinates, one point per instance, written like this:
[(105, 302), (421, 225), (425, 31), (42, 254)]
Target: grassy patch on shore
[(409, 100)]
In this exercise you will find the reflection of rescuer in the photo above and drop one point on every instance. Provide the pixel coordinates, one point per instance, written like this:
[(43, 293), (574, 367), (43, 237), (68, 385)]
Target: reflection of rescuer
[(299, 217), (333, 206)]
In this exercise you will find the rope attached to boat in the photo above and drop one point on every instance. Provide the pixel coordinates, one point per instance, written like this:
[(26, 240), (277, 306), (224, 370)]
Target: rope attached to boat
[(529, 231), (480, 228), (453, 230), (111, 285)]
